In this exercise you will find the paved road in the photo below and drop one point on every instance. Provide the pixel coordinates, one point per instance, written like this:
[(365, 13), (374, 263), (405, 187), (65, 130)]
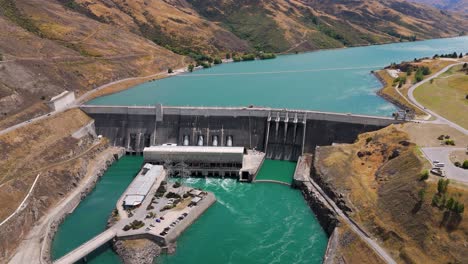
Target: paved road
[(440, 119), (355, 227), (442, 154), (78, 101)]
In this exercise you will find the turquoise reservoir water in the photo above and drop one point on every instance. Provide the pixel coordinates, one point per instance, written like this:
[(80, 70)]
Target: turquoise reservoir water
[(250, 223), (331, 80)]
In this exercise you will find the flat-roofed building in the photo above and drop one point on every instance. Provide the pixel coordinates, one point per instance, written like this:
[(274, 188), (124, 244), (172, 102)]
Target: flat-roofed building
[(141, 185), (198, 160)]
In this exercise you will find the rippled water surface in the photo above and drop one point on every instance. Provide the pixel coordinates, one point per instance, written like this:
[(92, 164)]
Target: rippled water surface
[(250, 223), (331, 80)]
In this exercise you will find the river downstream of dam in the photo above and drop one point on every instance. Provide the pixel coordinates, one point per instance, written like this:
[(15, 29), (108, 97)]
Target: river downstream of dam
[(260, 222), (239, 228)]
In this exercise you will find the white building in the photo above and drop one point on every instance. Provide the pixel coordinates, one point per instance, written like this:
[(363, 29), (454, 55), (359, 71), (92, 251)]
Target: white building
[(61, 101), (141, 185)]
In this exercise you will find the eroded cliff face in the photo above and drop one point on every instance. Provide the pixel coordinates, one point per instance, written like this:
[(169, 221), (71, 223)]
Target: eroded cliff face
[(377, 181), (47, 152)]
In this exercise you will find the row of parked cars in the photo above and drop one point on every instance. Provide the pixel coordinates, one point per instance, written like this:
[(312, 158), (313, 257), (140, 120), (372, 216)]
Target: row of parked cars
[(173, 224)]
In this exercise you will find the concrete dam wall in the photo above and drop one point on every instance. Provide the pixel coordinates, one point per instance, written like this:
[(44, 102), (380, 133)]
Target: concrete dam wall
[(280, 133)]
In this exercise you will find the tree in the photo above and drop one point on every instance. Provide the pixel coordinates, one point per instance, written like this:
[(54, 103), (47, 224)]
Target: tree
[(442, 186), (422, 194), (424, 175), (190, 67), (170, 70), (465, 165), (228, 56), (217, 61), (461, 55), (465, 65), (450, 203), (460, 208)]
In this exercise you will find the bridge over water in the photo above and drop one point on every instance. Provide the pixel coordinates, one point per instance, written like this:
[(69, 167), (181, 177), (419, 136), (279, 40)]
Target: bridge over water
[(88, 247)]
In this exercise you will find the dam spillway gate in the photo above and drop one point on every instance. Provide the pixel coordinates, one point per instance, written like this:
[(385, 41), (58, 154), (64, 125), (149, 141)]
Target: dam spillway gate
[(280, 133)]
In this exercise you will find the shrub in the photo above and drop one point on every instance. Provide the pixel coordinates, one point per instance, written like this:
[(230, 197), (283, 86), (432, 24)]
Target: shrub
[(422, 194), (459, 208), (205, 64), (447, 137), (450, 142), (236, 58), (176, 185), (217, 61), (126, 228), (435, 200), (149, 207), (450, 203), (190, 67), (172, 195), (170, 70), (369, 139), (185, 195), (441, 137), (266, 56), (167, 207), (425, 70), (442, 186), (465, 165), (248, 57), (424, 175), (228, 56), (137, 224)]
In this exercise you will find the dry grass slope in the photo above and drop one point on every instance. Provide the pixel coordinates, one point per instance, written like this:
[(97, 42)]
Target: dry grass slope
[(379, 178)]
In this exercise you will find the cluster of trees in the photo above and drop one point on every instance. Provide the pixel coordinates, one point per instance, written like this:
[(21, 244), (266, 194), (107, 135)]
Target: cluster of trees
[(252, 56), (400, 80), (453, 55), (440, 199), (136, 224), (421, 72), (206, 61)]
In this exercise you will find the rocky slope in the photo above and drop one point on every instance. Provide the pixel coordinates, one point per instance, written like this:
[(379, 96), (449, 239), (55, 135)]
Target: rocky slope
[(377, 180)]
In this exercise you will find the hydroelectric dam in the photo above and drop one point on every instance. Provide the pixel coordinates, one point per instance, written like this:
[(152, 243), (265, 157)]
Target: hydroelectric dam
[(282, 134)]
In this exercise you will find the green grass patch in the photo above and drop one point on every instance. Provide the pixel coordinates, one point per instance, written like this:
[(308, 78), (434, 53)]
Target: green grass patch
[(446, 95)]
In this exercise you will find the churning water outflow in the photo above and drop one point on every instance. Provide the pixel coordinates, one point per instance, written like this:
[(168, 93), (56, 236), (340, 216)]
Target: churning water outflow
[(250, 223), (330, 80)]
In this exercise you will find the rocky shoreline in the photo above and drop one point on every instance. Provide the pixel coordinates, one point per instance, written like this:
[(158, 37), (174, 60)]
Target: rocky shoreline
[(136, 251), (386, 97), (74, 201)]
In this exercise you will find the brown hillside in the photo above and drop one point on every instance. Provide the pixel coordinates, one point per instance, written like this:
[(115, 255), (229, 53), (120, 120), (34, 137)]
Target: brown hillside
[(47, 48), (451, 5), (380, 185)]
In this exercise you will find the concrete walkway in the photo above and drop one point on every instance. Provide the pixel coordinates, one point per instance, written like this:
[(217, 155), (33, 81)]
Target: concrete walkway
[(354, 226), (440, 119), (88, 247), (442, 154)]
